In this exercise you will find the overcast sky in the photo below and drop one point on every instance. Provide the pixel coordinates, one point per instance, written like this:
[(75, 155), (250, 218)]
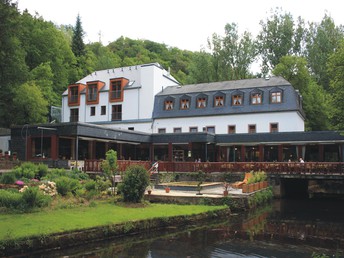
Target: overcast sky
[(185, 24)]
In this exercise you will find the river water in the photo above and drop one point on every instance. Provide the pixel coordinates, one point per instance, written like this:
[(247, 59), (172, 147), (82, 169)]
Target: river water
[(285, 228)]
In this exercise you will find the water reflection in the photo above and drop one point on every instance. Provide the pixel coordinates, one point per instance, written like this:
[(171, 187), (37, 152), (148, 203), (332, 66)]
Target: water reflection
[(288, 228)]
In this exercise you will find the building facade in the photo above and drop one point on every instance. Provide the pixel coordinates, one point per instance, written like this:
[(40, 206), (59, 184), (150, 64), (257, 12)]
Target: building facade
[(143, 113)]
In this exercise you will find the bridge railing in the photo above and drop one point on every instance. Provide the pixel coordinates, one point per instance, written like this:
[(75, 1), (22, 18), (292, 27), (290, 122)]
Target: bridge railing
[(209, 167)]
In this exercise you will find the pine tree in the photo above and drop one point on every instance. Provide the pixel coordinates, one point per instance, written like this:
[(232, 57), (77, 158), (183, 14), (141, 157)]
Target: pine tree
[(78, 45)]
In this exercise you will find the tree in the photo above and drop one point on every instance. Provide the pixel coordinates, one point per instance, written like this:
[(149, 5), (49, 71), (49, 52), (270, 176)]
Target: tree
[(232, 54), (13, 69), (134, 183), (336, 71), (78, 45), (279, 38), (30, 105), (201, 69), (321, 41), (315, 99)]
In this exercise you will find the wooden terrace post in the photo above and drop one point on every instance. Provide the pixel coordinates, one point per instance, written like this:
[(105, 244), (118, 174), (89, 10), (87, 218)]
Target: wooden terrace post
[(151, 152), (54, 147), (261, 152), (321, 153), (242, 153), (280, 153), (170, 152)]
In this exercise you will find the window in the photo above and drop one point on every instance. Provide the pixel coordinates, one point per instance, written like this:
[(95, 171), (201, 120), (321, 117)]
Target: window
[(177, 130), (168, 104), (116, 90), (251, 128), (237, 100), (210, 129), (73, 94), (74, 115), (131, 128), (93, 111), (201, 102), (276, 97), (219, 101), (162, 130), (116, 112), (184, 104), (231, 129), (256, 98), (92, 92), (193, 129), (273, 127), (103, 110)]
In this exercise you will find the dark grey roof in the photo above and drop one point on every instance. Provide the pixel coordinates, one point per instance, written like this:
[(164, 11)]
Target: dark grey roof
[(290, 98), (274, 81)]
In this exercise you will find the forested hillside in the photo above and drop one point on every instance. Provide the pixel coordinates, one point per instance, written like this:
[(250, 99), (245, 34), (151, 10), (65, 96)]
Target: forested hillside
[(39, 59)]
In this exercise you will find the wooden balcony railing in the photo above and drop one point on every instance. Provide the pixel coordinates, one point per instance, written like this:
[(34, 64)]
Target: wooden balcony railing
[(209, 167)]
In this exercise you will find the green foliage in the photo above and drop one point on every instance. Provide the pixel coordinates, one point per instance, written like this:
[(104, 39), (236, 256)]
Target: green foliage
[(32, 198), (10, 199), (133, 186), (102, 184), (67, 185), (8, 178), (109, 165), (26, 170), (29, 108), (42, 170), (335, 68), (170, 177), (90, 185), (78, 46)]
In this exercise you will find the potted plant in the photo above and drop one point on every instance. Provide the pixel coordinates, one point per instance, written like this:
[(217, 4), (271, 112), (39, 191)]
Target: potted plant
[(225, 188), (149, 189), (167, 189)]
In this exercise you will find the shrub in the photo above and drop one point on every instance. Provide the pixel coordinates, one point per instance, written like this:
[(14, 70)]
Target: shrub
[(8, 178), (102, 183), (133, 186), (90, 185), (32, 198), (26, 170), (67, 185), (10, 199), (42, 170)]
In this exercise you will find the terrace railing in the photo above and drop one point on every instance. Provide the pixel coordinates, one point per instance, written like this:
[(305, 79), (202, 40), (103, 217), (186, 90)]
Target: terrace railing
[(209, 167)]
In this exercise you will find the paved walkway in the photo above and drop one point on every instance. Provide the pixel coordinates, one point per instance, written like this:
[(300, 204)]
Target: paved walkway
[(214, 192)]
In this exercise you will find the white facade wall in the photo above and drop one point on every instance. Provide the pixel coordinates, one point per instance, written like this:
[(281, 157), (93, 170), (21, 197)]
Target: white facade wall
[(138, 101), (145, 127), (287, 122)]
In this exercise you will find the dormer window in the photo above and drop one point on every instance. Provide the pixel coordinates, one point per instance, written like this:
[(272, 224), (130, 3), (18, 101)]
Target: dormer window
[(168, 104), (219, 101), (202, 101), (237, 99), (256, 98), (185, 102), (116, 90), (276, 97), (92, 92), (73, 94)]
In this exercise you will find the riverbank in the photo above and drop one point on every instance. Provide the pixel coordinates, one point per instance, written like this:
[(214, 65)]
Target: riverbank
[(24, 233)]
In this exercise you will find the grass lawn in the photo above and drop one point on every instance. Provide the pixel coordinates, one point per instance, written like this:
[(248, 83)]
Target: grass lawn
[(103, 213)]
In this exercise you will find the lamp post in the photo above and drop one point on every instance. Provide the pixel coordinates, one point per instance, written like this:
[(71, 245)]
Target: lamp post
[(27, 127), (42, 129)]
